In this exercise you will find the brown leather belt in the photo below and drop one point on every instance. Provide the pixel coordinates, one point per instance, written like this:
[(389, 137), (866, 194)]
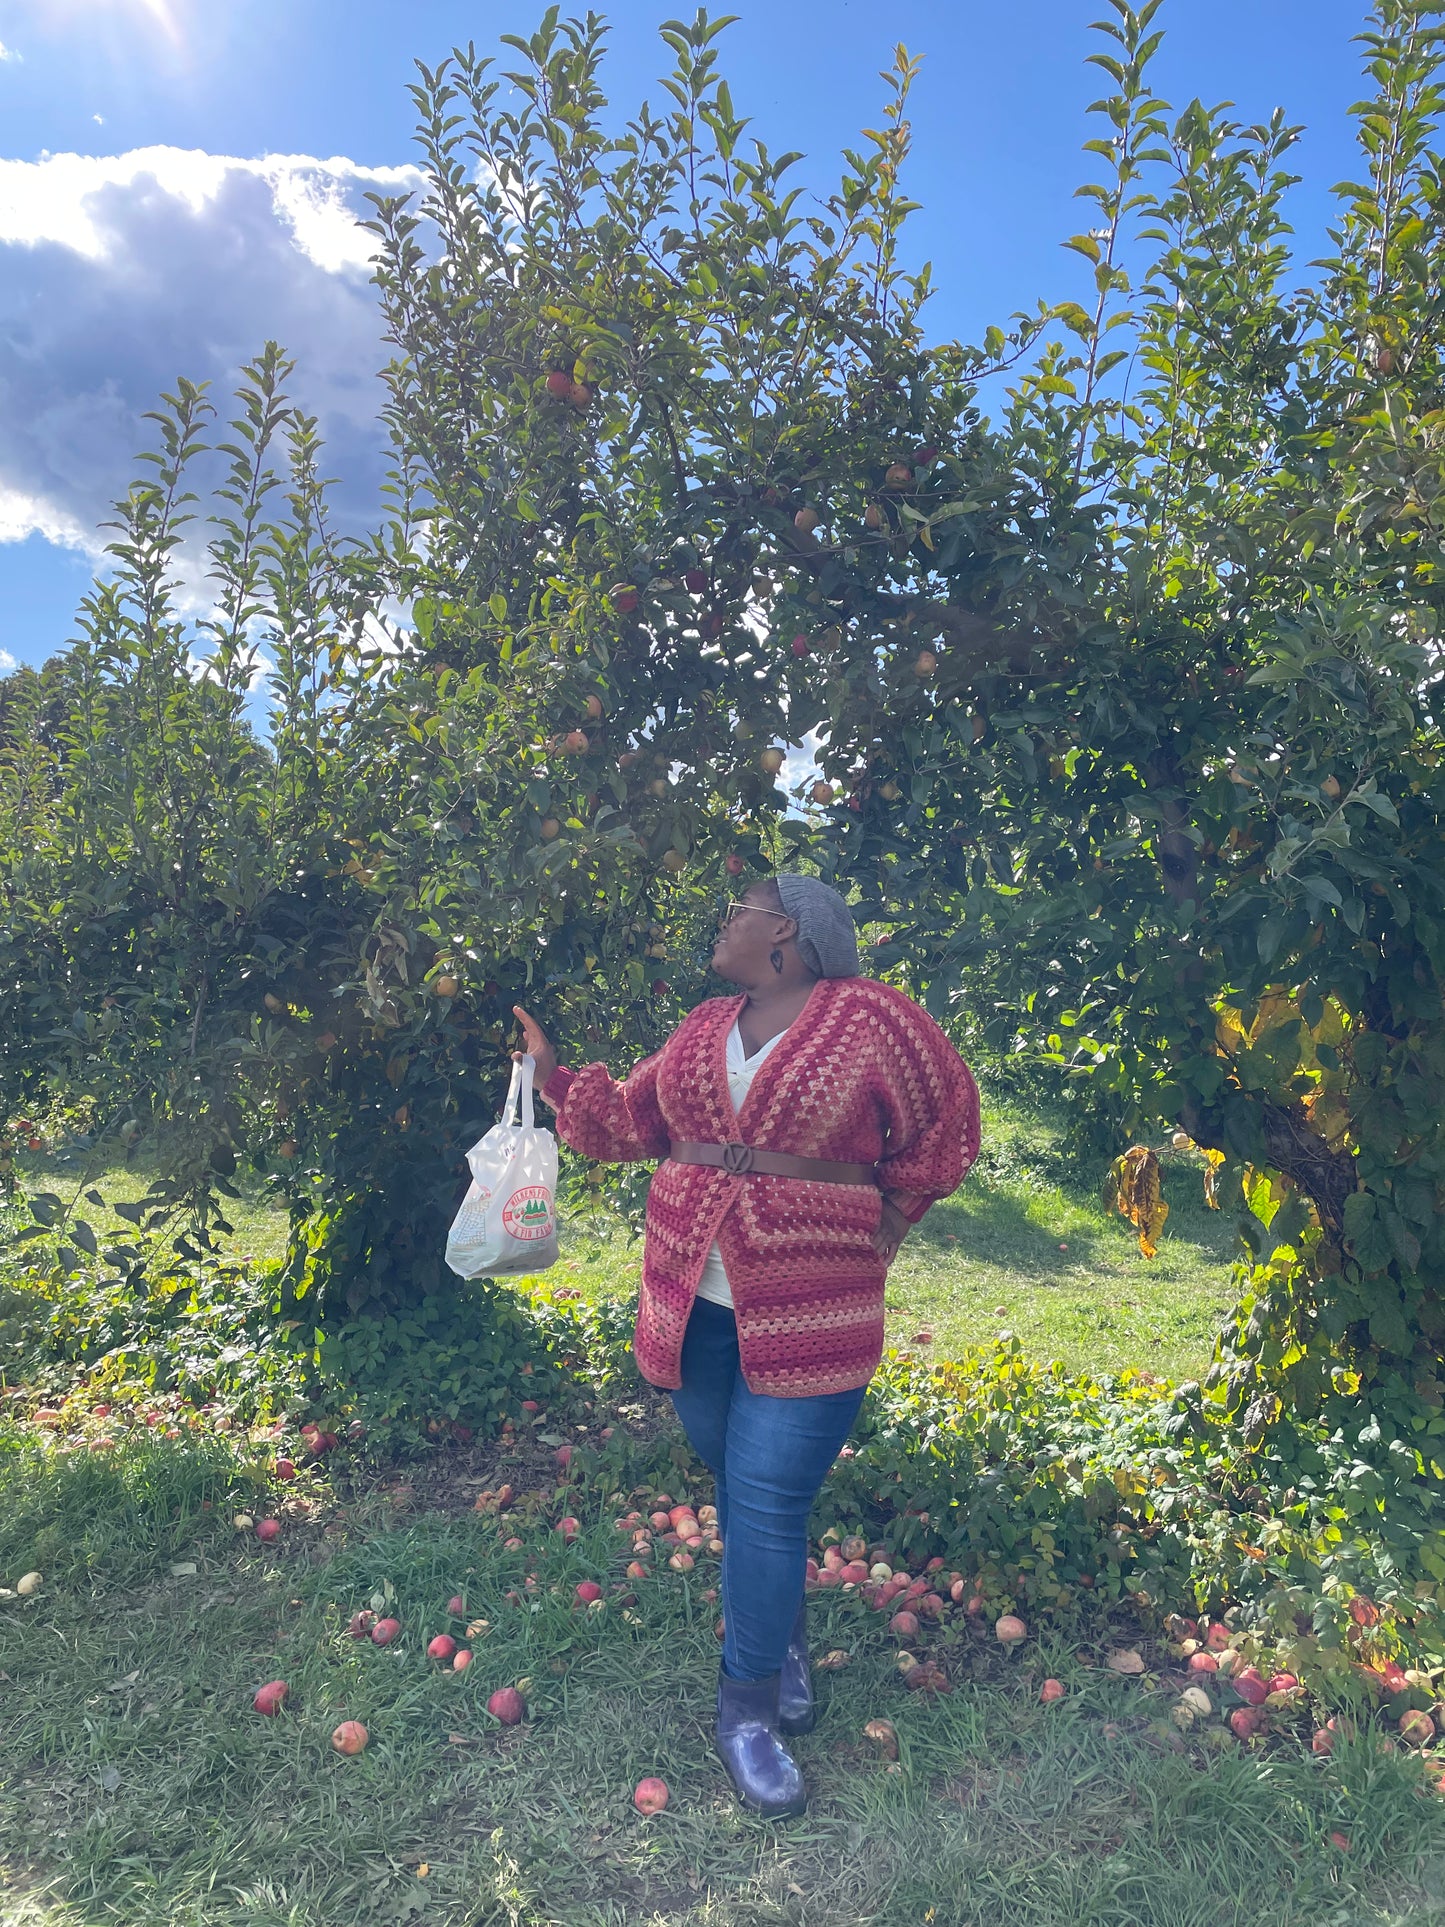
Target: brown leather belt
[(739, 1158)]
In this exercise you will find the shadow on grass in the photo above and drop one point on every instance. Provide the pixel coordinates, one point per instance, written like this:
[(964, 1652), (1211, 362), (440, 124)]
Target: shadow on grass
[(994, 1227)]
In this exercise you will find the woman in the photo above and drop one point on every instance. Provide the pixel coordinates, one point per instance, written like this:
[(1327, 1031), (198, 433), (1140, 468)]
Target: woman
[(805, 1122)]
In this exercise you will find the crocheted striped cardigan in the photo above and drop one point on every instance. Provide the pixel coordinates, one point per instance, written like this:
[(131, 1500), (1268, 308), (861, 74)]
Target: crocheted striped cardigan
[(862, 1075)]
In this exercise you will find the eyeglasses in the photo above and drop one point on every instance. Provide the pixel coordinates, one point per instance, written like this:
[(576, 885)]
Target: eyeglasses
[(728, 911)]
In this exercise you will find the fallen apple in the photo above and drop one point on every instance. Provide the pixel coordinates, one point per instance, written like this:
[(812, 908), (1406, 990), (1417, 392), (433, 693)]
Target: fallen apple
[(650, 1795), (507, 1705), (385, 1631), (442, 1647), (569, 1528), (1417, 1727), (587, 1591), (456, 1606), (361, 1625), (270, 1697), (461, 1659), (268, 1530), (1009, 1629), (1250, 1687), (350, 1737), (1051, 1690), (884, 1736), (904, 1625)]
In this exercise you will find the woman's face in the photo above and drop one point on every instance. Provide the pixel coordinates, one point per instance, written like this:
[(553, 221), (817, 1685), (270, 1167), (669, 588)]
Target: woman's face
[(753, 928)]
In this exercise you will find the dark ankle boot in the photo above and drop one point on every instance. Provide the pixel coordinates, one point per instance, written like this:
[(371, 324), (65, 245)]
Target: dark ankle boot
[(796, 1711), (760, 1767)]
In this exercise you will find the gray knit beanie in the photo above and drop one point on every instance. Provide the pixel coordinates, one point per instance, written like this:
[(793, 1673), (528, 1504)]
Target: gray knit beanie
[(827, 935)]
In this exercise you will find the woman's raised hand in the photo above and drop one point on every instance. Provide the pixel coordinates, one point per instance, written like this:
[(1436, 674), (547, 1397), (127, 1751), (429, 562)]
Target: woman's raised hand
[(534, 1044)]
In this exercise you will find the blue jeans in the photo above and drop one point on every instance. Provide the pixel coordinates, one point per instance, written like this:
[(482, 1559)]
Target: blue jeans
[(769, 1457)]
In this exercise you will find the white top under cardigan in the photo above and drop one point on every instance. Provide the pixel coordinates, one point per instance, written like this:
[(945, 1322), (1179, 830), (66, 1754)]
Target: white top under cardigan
[(742, 1069)]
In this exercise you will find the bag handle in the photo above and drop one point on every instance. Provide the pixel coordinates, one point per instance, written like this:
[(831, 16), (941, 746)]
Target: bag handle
[(519, 1091)]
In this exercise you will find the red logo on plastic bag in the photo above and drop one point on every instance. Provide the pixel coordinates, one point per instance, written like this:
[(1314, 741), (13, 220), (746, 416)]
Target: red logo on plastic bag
[(527, 1214)]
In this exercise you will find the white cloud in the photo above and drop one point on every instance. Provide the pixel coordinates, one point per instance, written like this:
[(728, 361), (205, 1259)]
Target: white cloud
[(119, 273), (7, 53), (8, 664)]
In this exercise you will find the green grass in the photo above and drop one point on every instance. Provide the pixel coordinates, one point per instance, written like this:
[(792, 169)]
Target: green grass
[(137, 1786), (257, 1218)]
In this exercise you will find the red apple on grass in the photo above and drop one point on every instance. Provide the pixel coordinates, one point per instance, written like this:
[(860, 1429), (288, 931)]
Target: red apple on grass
[(361, 1625), (442, 1647), (587, 1591), (507, 1705), (268, 1531), (456, 1606), (1051, 1690), (270, 1698), (385, 1631), (650, 1795), (1250, 1687), (350, 1737)]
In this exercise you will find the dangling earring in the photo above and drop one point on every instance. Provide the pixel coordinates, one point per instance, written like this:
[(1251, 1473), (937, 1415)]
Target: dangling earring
[(775, 958)]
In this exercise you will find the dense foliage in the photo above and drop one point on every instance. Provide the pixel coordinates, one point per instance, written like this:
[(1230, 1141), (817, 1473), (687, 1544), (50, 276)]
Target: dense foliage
[(1115, 634)]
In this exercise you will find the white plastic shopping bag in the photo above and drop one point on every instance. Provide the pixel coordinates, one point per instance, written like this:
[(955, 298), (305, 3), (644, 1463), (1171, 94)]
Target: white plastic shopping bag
[(508, 1219)]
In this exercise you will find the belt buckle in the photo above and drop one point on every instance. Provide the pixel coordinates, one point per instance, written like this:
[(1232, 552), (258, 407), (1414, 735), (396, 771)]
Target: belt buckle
[(737, 1158)]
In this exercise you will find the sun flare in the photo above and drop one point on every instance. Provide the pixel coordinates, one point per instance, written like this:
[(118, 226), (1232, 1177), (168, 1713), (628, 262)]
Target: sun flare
[(164, 16)]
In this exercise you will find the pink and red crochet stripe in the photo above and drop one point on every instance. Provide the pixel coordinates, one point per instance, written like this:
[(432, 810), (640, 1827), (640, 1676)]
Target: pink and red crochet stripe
[(863, 1075)]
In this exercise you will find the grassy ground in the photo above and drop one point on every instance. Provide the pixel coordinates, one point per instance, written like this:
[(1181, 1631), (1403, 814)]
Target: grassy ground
[(1025, 1246), (137, 1786)]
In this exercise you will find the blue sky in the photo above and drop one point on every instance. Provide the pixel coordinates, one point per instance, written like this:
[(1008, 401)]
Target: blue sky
[(178, 177)]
